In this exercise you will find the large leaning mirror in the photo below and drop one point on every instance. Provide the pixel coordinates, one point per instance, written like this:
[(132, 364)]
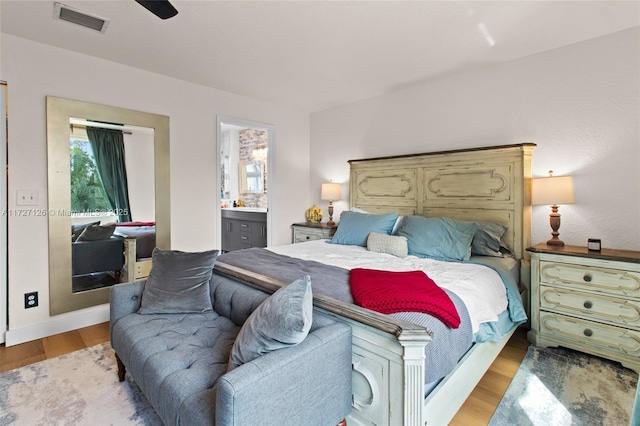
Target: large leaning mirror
[(65, 120)]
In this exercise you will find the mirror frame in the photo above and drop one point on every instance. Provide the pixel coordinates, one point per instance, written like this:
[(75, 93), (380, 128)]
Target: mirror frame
[(61, 296)]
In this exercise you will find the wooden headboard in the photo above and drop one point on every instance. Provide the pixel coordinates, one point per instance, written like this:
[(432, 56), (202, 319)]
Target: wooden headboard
[(479, 184)]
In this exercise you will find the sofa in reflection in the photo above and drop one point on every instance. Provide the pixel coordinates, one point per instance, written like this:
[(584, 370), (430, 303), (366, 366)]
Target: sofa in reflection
[(97, 256), (91, 257)]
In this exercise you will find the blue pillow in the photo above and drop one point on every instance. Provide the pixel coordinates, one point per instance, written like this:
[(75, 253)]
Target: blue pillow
[(354, 228), (439, 238)]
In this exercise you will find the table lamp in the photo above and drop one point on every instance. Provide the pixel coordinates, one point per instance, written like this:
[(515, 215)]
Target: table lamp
[(330, 191), (553, 190)]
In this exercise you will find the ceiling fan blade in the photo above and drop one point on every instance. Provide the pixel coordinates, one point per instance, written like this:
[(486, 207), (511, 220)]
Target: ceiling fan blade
[(161, 8)]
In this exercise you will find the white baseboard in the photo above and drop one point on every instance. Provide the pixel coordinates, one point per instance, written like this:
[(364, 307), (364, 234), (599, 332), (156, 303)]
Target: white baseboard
[(58, 324)]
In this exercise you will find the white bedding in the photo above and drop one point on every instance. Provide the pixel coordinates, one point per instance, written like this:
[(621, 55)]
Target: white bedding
[(480, 287)]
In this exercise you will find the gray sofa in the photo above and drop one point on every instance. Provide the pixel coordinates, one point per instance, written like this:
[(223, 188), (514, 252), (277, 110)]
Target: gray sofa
[(88, 257), (179, 361)]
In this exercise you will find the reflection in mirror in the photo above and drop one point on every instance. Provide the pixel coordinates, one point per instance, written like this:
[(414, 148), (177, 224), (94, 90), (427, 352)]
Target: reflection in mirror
[(112, 182), (251, 177), (89, 208)]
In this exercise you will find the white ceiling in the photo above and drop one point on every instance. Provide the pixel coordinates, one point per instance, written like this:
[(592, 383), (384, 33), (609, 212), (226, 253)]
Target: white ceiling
[(315, 55)]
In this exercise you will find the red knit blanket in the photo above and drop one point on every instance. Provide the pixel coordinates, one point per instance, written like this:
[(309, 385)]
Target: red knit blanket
[(389, 292), (135, 224)]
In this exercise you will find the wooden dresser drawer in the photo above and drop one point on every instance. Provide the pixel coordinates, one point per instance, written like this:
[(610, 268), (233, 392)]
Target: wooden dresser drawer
[(307, 235), (590, 306), (592, 337), (591, 278), (312, 231)]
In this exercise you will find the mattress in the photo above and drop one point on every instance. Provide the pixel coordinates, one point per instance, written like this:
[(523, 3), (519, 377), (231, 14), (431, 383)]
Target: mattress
[(447, 344), (145, 238), (484, 290), (486, 285)]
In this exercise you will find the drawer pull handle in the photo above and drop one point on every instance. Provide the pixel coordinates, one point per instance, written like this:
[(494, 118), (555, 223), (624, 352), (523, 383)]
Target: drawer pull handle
[(587, 332), (587, 278), (588, 304)]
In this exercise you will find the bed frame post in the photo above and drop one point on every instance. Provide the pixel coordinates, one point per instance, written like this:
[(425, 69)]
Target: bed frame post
[(414, 373), (129, 268)]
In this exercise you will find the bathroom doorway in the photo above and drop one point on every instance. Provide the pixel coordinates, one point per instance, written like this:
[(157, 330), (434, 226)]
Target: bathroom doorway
[(246, 169)]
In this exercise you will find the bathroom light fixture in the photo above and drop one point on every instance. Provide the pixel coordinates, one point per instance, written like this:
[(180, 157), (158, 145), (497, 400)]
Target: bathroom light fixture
[(260, 154), (553, 190)]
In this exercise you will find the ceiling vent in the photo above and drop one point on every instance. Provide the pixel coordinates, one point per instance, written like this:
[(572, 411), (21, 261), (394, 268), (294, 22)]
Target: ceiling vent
[(87, 20)]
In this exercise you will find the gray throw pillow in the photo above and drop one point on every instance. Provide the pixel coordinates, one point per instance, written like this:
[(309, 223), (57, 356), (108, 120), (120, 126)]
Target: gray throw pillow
[(282, 320), (97, 232), (178, 282), (488, 239), (391, 244), (76, 229)]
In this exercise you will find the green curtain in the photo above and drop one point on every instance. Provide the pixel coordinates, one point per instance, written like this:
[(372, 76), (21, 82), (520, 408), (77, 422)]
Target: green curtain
[(108, 150)]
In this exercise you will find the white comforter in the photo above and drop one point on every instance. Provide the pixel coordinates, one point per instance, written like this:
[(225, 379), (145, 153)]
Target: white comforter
[(480, 287)]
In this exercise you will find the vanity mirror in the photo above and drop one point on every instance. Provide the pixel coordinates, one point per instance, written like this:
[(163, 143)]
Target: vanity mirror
[(60, 112), (251, 177)]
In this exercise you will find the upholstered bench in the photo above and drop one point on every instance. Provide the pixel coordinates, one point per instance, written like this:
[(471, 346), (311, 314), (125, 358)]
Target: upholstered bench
[(187, 366)]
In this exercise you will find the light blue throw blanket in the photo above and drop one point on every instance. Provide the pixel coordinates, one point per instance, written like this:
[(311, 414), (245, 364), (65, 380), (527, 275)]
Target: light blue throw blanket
[(515, 313)]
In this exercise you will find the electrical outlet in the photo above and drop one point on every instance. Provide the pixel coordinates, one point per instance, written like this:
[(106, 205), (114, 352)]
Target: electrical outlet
[(27, 198), (31, 300)]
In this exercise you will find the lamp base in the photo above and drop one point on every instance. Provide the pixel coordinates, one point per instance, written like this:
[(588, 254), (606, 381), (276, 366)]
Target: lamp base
[(331, 222), (555, 242), (554, 221)]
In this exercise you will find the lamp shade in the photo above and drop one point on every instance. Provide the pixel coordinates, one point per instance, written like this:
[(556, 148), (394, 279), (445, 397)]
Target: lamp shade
[(552, 190), (330, 191)]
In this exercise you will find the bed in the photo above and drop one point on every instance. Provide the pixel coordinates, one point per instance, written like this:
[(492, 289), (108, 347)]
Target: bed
[(139, 242), (390, 365)]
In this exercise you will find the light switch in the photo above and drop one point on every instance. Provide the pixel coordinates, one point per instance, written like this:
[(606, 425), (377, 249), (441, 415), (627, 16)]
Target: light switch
[(27, 198)]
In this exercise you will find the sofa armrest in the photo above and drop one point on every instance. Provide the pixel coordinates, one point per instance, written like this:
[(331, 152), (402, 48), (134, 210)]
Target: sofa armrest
[(124, 299), (309, 383)]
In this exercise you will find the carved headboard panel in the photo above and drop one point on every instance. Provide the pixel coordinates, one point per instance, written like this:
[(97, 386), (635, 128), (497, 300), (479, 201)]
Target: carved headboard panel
[(481, 184)]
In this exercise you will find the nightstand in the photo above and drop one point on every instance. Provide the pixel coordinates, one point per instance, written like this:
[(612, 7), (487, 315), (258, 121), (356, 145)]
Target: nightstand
[(307, 231), (587, 301)]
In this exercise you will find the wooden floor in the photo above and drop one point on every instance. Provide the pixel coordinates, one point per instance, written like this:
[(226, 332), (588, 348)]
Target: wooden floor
[(483, 401), (477, 410), (49, 347)]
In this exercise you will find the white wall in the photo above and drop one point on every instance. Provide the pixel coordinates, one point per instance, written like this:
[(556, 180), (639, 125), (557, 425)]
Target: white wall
[(580, 104), (138, 147), (35, 70)]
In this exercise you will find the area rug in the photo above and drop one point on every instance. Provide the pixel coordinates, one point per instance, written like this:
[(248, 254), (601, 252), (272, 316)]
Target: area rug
[(80, 388), (557, 386)]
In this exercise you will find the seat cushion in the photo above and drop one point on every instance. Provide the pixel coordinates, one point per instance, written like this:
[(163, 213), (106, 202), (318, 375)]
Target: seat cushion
[(174, 356)]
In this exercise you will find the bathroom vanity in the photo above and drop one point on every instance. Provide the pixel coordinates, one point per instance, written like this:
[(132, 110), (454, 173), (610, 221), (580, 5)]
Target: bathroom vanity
[(243, 227)]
